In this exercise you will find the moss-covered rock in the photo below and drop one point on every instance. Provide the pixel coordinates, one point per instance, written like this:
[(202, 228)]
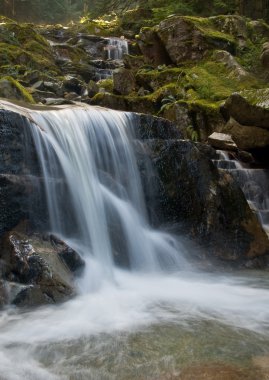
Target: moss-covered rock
[(12, 89), (22, 49), (249, 107), (190, 38)]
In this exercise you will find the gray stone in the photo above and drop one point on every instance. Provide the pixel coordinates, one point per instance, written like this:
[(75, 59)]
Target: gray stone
[(222, 141), (123, 81)]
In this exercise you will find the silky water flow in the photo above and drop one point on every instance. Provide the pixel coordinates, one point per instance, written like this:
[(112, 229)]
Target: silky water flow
[(144, 322)]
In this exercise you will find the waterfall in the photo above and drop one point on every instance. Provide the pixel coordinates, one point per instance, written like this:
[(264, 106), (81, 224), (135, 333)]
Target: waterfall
[(253, 182), (94, 192), (143, 323), (116, 48)]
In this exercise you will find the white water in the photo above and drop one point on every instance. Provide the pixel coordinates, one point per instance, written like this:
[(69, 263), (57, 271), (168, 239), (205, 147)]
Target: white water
[(116, 48), (91, 149)]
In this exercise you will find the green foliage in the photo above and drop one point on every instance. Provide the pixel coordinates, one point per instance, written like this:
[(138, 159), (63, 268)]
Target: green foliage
[(170, 99), (192, 133)]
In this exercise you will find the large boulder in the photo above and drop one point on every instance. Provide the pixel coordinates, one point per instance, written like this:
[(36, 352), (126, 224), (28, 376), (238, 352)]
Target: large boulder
[(222, 141), (207, 204), (34, 270), (249, 107), (247, 137), (247, 116), (187, 38)]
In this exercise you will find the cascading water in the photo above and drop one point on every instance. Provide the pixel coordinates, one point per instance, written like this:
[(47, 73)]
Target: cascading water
[(253, 182), (139, 324), (116, 48), (101, 195)]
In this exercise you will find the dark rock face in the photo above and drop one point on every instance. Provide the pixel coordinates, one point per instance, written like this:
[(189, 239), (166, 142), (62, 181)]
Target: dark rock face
[(151, 127), (19, 170), (206, 203)]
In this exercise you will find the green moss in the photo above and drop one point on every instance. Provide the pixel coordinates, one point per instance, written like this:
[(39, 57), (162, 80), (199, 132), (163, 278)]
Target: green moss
[(207, 28), (213, 81), (258, 97), (157, 78), (18, 90), (107, 84)]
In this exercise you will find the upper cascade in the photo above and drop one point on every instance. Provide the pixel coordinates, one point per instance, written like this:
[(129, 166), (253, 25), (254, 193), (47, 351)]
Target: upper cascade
[(116, 48)]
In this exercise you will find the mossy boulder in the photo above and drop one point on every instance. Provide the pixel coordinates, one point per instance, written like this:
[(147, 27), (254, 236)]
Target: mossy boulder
[(142, 104), (21, 45), (189, 38), (12, 89), (249, 107)]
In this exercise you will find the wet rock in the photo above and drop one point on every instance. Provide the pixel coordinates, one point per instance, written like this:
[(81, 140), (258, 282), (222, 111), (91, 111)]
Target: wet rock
[(124, 81), (35, 273), (207, 204), (246, 157), (19, 173), (151, 127), (222, 141), (3, 293), (72, 259)]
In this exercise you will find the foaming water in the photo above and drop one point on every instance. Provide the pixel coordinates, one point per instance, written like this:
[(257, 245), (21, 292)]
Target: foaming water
[(96, 204), (61, 341), (100, 201)]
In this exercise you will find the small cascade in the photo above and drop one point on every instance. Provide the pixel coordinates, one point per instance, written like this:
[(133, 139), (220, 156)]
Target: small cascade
[(116, 48), (253, 181)]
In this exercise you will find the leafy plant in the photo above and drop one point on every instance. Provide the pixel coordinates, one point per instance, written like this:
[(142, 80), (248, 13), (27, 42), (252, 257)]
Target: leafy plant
[(192, 133)]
